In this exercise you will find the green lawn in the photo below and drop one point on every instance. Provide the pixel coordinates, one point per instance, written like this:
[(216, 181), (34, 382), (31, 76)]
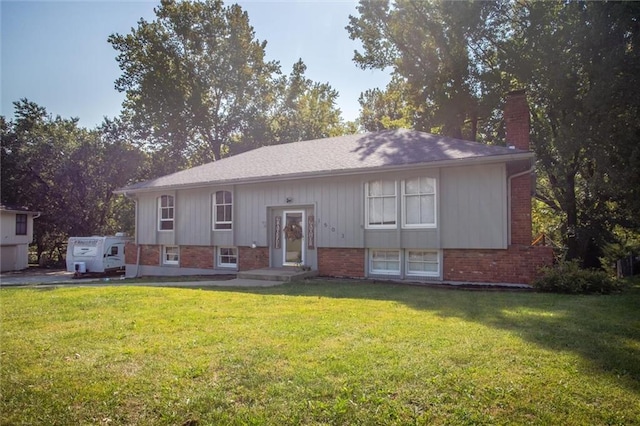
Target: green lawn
[(321, 352)]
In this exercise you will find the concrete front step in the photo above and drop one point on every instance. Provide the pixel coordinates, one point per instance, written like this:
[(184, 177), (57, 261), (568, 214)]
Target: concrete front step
[(276, 274)]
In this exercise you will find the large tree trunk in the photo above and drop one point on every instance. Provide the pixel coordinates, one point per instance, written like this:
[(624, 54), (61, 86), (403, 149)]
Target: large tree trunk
[(571, 209)]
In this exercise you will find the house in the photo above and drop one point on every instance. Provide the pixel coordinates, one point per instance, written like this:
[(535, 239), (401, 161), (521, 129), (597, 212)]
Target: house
[(395, 204), (16, 227)]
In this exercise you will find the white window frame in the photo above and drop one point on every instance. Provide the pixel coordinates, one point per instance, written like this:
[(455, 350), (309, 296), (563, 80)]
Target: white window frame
[(368, 197), (219, 257), (169, 208), (374, 271), (222, 225), (420, 194), (166, 260), (438, 263)]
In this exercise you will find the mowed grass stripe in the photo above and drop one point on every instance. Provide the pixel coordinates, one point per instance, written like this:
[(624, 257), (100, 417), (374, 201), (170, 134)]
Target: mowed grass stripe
[(319, 352)]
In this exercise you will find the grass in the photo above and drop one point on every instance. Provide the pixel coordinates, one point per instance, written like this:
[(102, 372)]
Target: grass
[(320, 352)]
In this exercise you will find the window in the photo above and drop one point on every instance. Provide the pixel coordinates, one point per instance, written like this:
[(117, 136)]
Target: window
[(423, 263), (165, 213), (113, 251), (170, 255), (21, 224), (228, 257), (223, 209), (384, 262), (419, 202), (381, 204)]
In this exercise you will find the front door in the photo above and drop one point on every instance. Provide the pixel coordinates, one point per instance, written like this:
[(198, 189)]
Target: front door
[(293, 252)]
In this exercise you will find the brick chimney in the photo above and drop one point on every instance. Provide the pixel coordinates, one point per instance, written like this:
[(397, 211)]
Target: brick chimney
[(516, 117)]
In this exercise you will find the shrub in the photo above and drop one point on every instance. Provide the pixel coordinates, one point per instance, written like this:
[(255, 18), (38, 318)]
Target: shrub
[(568, 277)]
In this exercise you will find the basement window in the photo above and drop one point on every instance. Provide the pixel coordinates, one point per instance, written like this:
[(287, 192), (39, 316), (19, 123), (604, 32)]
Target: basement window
[(227, 257), (384, 262), (170, 255), (422, 263)]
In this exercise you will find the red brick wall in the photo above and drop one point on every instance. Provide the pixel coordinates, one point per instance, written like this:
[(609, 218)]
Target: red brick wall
[(518, 264), (253, 258), (130, 253), (517, 123), (196, 257), (521, 229), (341, 262), (150, 255), (516, 118)]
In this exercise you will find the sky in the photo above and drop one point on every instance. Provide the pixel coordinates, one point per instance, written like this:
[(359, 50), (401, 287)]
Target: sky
[(56, 54)]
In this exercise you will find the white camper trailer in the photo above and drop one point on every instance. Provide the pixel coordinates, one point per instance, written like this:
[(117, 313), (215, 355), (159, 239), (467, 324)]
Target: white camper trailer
[(95, 254)]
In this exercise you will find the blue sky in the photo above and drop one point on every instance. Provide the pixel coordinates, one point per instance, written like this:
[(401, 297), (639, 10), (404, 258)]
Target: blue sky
[(56, 53)]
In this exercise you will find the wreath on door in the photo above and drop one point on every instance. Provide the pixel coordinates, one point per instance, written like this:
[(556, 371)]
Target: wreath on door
[(293, 232)]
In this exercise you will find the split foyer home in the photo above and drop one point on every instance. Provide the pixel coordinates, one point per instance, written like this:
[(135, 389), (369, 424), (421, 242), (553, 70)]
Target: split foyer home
[(16, 229), (396, 204)]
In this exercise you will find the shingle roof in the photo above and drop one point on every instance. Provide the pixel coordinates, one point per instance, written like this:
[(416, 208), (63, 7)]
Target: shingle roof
[(341, 154)]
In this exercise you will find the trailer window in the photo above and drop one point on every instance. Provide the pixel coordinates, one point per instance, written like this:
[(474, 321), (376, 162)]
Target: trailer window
[(87, 248), (113, 251)]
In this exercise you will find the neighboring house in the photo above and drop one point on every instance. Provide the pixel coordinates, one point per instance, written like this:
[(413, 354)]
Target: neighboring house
[(16, 227), (394, 204)]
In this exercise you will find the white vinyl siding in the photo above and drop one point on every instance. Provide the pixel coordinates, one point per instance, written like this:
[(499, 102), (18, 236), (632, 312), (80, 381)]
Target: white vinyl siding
[(422, 263), (227, 257), (381, 204), (384, 262), (170, 255), (166, 212), (223, 210), (419, 202)]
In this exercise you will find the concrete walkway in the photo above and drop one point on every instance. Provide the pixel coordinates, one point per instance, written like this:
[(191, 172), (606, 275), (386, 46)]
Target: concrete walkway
[(50, 279)]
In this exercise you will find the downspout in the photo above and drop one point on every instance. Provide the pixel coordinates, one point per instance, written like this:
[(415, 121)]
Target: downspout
[(135, 239), (135, 235), (509, 179)]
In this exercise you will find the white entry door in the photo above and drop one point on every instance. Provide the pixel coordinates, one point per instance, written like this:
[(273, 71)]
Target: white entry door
[(293, 252)]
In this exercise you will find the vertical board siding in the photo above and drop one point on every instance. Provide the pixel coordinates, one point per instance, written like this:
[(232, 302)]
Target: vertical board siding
[(193, 216), (474, 207), (338, 216), (471, 206), (147, 218)]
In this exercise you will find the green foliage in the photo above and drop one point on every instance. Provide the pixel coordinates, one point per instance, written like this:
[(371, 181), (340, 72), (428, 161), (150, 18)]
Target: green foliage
[(388, 109), (67, 173), (301, 109), (443, 52), (580, 62), (569, 277), (198, 87)]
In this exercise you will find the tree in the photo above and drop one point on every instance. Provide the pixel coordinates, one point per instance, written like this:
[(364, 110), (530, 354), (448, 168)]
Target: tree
[(66, 172), (580, 64), (440, 50), (194, 77), (388, 109), (300, 109)]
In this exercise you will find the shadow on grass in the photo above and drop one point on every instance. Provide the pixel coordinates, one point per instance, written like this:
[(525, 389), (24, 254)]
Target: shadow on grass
[(603, 330)]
